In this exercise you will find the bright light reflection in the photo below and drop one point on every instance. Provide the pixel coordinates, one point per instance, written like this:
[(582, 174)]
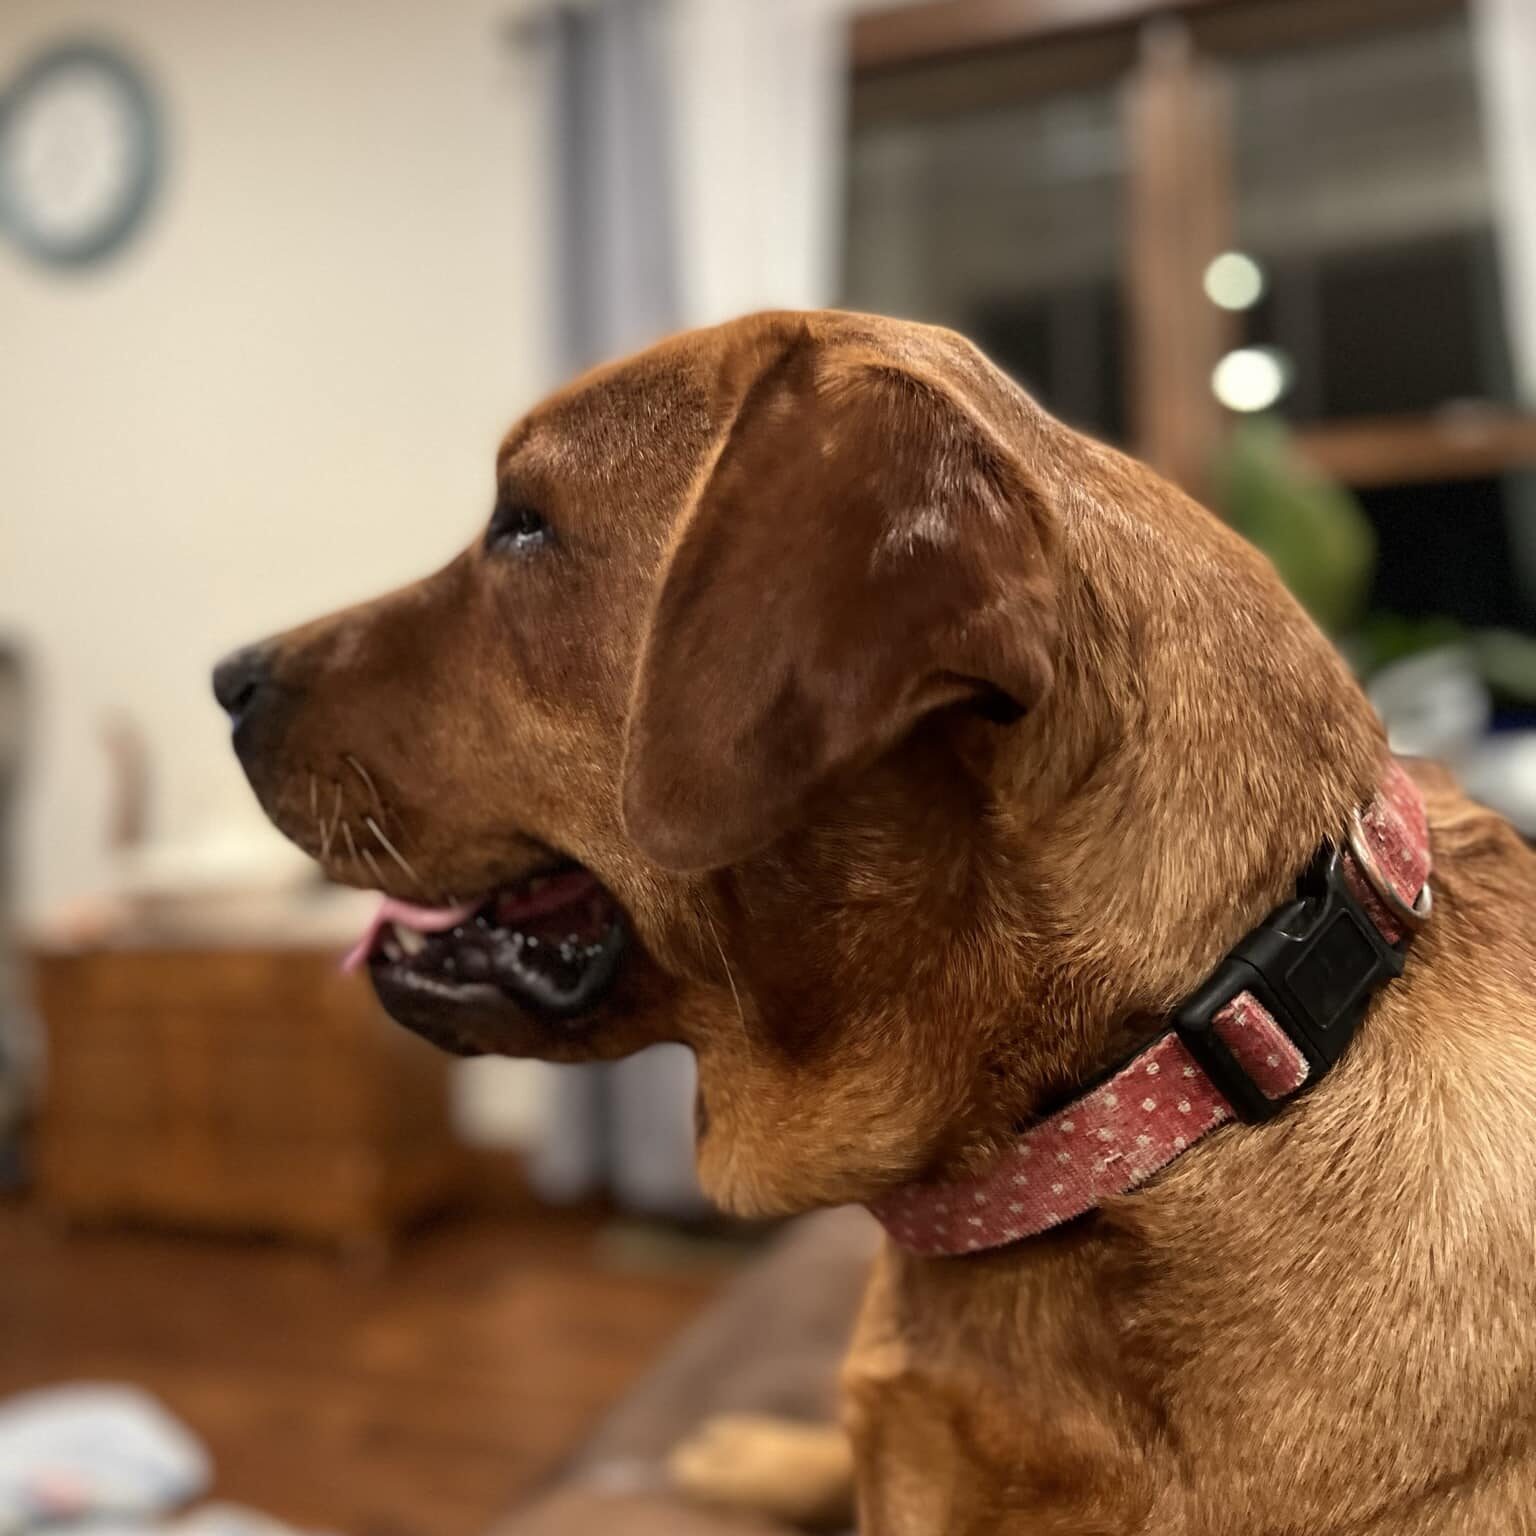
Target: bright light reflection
[(1234, 280), (1251, 378)]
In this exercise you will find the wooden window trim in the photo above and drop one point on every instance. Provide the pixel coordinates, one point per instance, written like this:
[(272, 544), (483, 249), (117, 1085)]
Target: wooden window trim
[(1261, 26), (1180, 213), (1468, 443), (893, 37), (889, 37), (1001, 78)]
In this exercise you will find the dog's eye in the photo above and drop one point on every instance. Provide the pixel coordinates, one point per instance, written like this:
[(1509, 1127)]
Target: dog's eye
[(517, 529)]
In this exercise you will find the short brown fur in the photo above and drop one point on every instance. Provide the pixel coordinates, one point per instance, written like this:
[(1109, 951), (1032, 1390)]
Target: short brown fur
[(935, 751)]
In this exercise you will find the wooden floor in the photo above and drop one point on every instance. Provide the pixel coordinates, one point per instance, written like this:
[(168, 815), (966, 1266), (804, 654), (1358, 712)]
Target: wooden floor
[(420, 1400)]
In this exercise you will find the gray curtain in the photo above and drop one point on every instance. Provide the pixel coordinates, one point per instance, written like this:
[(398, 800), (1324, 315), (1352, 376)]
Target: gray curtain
[(626, 1127), (614, 220)]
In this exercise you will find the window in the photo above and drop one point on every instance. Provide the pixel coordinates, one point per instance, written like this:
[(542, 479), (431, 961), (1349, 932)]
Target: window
[(1362, 192), (1005, 222), (1072, 193), (1180, 211)]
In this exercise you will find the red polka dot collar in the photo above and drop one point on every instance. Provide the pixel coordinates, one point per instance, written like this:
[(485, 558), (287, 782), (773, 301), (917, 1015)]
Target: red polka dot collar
[(1271, 1021)]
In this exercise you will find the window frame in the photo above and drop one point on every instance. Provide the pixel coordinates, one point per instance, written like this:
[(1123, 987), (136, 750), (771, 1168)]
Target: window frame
[(1171, 56)]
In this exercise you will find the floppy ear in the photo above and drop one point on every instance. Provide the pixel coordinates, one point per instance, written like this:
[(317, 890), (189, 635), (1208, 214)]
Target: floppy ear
[(863, 552)]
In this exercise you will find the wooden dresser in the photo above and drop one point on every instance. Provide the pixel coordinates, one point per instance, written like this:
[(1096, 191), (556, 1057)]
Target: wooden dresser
[(251, 1090)]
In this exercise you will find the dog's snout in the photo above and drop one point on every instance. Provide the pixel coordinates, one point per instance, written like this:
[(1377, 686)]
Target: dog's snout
[(239, 678)]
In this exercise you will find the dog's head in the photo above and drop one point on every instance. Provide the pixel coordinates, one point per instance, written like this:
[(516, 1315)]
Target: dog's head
[(716, 733)]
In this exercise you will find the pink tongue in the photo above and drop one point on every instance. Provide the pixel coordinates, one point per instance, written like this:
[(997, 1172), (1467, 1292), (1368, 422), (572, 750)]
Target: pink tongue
[(422, 919)]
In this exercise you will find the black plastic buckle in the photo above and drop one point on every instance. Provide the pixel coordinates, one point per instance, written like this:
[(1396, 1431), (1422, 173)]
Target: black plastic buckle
[(1314, 964)]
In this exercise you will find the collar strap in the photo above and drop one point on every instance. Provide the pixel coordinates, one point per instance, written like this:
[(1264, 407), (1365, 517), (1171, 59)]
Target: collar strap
[(1272, 1020)]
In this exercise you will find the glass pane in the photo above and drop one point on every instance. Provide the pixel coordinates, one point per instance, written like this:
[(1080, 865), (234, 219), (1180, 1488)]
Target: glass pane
[(1364, 194), (1005, 223), (1452, 550)]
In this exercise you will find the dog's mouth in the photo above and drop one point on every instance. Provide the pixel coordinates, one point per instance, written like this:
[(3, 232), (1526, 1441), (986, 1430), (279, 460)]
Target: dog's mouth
[(550, 942)]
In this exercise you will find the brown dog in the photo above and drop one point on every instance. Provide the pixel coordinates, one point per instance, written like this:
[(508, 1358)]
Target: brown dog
[(817, 700)]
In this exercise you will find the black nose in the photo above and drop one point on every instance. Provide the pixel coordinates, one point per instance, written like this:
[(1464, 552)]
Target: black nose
[(239, 678)]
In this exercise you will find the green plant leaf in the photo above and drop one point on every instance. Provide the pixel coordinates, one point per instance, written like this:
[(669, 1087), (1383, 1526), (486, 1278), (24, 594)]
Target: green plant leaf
[(1315, 532)]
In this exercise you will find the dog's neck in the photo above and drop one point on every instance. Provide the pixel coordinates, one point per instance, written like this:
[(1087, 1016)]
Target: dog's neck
[(1188, 769), (1037, 894), (1273, 1020)]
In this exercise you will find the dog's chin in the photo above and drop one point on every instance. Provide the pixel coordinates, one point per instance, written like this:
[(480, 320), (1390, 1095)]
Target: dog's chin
[(478, 1019), (535, 967)]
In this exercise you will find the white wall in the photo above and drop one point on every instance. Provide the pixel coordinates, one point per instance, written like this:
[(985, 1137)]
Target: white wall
[(286, 393)]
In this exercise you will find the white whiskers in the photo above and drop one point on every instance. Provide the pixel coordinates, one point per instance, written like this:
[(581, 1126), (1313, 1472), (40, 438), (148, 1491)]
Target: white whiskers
[(719, 950), (328, 829), (391, 850), (362, 773), (339, 822)]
